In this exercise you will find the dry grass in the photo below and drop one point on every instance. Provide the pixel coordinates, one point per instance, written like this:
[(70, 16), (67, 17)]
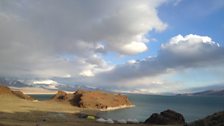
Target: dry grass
[(11, 104)]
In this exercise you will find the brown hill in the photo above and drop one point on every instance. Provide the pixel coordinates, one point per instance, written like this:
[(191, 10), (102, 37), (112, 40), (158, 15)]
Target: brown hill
[(93, 99), (6, 90), (21, 95)]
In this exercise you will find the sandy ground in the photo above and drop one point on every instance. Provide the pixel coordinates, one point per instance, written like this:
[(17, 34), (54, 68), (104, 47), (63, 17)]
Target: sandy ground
[(18, 112)]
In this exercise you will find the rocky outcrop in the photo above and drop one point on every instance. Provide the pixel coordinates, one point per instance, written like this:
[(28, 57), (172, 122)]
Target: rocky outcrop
[(6, 90), (216, 119), (101, 100), (61, 96), (93, 99), (165, 118)]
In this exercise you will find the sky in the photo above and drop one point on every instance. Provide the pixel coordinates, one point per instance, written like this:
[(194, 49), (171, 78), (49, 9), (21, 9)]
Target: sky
[(135, 46)]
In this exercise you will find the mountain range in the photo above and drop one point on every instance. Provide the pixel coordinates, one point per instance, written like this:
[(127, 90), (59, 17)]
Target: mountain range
[(214, 90), (65, 87), (12, 82), (206, 93)]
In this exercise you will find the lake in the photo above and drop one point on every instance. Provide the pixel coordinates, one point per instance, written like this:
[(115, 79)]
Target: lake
[(192, 107)]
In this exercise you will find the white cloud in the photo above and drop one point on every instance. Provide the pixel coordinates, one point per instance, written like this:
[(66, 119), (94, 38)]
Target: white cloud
[(87, 73), (132, 61), (134, 48), (191, 39), (47, 82), (54, 38), (191, 45), (179, 54)]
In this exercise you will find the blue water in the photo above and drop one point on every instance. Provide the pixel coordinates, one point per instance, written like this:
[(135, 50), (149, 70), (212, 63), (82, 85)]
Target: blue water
[(42, 97), (192, 107)]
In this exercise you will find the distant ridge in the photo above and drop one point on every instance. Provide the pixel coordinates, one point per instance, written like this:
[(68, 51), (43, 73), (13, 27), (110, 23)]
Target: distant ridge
[(206, 93), (12, 82)]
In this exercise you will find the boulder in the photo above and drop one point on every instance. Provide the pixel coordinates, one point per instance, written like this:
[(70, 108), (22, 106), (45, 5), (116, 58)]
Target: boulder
[(165, 118), (216, 119)]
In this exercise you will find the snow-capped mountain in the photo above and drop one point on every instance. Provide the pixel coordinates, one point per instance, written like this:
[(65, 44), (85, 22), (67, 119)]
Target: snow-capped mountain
[(12, 82)]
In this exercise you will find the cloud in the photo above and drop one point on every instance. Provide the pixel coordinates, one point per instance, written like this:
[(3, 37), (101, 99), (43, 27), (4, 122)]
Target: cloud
[(66, 42), (87, 73), (54, 38), (134, 47), (180, 53), (47, 82)]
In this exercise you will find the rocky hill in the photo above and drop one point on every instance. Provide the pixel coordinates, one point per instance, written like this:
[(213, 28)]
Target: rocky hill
[(94, 99), (216, 119), (4, 90)]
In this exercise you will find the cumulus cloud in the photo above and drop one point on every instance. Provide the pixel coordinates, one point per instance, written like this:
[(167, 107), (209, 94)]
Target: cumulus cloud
[(180, 53), (54, 38), (66, 41)]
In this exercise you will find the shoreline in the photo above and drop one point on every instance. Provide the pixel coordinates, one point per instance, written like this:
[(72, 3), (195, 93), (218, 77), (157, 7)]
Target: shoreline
[(20, 112), (116, 108)]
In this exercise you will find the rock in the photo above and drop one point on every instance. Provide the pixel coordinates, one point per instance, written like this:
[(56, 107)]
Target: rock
[(166, 117), (216, 119), (121, 121), (61, 96), (132, 121)]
